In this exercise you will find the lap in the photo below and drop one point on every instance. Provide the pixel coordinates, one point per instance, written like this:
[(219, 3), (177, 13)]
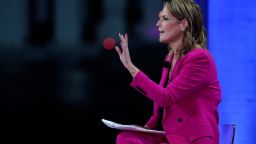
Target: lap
[(130, 137), (204, 140)]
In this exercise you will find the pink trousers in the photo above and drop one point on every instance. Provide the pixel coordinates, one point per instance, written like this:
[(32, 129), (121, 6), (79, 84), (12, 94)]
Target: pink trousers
[(130, 137)]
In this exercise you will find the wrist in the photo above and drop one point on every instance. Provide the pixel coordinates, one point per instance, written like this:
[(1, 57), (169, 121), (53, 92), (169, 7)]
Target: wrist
[(133, 70)]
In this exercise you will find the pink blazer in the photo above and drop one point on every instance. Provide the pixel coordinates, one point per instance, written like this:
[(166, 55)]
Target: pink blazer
[(190, 98)]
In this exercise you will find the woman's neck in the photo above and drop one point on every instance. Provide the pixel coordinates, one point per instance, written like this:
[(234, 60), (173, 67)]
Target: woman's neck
[(177, 45)]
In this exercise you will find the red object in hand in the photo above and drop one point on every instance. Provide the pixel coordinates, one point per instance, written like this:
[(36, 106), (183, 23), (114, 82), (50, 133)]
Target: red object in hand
[(109, 43)]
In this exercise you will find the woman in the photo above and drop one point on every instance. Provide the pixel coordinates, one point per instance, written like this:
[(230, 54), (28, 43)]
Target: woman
[(189, 91)]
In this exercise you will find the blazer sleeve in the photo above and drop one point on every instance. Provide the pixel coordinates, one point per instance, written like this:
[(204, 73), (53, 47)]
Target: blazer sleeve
[(193, 75)]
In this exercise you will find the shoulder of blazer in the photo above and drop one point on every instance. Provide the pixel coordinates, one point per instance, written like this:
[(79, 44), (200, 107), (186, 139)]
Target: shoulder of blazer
[(197, 53)]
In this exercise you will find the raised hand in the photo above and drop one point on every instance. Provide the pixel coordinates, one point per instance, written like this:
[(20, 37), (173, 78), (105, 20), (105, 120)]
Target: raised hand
[(124, 55), (123, 52)]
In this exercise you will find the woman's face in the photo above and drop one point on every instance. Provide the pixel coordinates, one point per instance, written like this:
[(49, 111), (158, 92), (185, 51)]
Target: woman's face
[(169, 27)]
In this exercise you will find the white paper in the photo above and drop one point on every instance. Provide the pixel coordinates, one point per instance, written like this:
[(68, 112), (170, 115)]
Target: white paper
[(129, 127)]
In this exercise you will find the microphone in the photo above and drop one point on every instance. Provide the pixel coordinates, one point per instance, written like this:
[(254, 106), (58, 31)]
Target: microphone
[(166, 64)]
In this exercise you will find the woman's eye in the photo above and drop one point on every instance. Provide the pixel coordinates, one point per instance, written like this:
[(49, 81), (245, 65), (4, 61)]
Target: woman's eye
[(165, 18)]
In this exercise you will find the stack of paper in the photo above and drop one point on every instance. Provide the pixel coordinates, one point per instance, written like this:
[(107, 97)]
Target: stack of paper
[(130, 127)]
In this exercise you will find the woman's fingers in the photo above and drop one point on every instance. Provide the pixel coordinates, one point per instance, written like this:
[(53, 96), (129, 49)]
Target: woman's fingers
[(126, 37), (118, 50), (124, 43), (121, 37), (122, 40)]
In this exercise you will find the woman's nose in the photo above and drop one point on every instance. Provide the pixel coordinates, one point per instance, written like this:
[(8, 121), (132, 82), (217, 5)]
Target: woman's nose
[(158, 23)]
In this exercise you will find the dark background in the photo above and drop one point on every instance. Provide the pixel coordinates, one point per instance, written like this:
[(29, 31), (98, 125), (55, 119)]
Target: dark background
[(56, 80)]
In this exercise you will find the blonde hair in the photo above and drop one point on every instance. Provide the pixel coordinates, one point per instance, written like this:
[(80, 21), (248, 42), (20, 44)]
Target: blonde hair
[(195, 33)]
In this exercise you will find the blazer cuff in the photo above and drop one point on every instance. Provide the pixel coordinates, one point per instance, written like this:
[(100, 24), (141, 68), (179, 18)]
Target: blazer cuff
[(137, 80)]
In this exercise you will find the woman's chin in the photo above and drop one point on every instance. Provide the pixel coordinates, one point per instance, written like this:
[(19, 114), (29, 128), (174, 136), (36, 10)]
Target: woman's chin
[(162, 41)]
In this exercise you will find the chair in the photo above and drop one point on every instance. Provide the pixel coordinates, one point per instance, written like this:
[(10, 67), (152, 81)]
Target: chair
[(227, 133)]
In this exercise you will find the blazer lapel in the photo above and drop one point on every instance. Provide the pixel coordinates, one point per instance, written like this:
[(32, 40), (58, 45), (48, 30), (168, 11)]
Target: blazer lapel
[(165, 71), (174, 70)]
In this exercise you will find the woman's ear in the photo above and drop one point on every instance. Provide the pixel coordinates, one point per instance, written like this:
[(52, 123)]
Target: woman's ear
[(184, 24)]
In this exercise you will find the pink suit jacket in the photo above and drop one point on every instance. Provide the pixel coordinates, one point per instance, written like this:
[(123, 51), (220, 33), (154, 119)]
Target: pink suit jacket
[(190, 98)]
